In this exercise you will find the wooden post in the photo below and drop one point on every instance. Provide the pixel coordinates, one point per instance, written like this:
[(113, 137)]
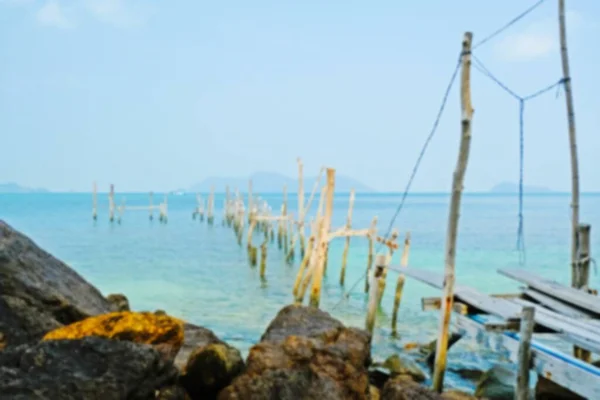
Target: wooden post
[(457, 187), (227, 207), (210, 213), (151, 212), (166, 209), (347, 244), (400, 285), (250, 203), (584, 256), (572, 142), (301, 215), (303, 265), (95, 202), (371, 237), (374, 294), (263, 260), (388, 259), (584, 276), (315, 295), (111, 203), (524, 354)]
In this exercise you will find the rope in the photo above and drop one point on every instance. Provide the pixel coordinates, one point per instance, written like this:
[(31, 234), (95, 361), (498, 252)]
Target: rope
[(508, 24), (413, 173), (520, 247), (520, 233)]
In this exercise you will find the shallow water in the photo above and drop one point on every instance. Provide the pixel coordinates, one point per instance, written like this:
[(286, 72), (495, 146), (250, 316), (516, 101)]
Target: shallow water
[(198, 272)]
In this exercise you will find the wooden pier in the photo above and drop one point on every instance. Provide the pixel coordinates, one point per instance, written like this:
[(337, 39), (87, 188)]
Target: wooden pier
[(565, 313)]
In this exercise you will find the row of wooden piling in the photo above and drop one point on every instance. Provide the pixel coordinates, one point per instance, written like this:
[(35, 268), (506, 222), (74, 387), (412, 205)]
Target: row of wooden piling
[(113, 209)]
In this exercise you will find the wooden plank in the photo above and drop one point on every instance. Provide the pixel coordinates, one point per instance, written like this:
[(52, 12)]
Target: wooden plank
[(552, 288), (511, 309), (566, 371), (557, 305)]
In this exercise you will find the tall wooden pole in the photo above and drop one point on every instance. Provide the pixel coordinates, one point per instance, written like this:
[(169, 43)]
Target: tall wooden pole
[(315, 295), (301, 206), (457, 187), (572, 143)]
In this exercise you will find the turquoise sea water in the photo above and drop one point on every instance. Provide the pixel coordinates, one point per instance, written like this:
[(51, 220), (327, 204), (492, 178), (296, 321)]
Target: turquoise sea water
[(199, 273)]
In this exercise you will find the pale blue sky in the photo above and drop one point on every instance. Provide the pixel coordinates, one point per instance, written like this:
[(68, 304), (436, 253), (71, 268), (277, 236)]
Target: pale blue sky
[(160, 94)]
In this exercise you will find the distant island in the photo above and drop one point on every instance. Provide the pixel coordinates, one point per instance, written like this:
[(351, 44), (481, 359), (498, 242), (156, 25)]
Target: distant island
[(511, 187), (272, 182), (12, 187)]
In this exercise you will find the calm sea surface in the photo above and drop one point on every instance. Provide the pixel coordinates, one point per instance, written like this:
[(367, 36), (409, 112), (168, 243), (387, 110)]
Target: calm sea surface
[(198, 272)]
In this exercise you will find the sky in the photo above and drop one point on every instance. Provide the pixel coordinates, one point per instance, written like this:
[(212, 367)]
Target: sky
[(157, 95)]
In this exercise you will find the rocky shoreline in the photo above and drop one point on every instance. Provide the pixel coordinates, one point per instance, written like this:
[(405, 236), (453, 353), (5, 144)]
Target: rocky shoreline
[(60, 338)]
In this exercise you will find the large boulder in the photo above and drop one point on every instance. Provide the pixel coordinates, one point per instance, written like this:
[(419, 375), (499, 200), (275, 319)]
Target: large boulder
[(90, 368), (163, 332), (38, 292), (207, 363), (305, 354)]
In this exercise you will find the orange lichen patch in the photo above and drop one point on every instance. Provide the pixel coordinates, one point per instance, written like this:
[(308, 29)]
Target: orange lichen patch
[(411, 346), (139, 327)]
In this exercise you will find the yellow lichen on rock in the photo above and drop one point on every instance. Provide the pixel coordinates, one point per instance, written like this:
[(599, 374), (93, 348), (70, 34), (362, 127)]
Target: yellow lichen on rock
[(139, 327)]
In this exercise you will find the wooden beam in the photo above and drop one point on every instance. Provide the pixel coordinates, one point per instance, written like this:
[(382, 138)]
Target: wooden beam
[(455, 200)]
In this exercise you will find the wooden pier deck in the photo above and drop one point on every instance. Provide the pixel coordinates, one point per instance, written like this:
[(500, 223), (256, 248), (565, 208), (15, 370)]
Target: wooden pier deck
[(565, 313)]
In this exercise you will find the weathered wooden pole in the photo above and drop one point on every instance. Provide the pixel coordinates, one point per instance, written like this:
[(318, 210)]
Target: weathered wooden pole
[(263, 260), (347, 244), (301, 215), (165, 209), (95, 202), (210, 213), (374, 294), (151, 211), (111, 203), (457, 188), (315, 295), (250, 200), (584, 259), (303, 266), (370, 257), (572, 143), (400, 285), (524, 353)]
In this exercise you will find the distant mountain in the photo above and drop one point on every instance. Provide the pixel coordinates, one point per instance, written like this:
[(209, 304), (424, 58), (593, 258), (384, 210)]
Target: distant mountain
[(12, 187), (272, 182), (511, 187)]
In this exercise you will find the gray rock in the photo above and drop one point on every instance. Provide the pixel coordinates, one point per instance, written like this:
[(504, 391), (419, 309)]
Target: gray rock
[(119, 302), (38, 292), (90, 368)]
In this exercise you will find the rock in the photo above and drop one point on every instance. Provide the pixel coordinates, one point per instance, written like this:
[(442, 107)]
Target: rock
[(374, 393), (174, 392), (397, 365), (194, 336), (38, 292), (305, 354), (160, 312), (90, 368), (497, 383), (210, 369), (547, 390), (119, 302), (402, 387), (164, 333), (457, 395)]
